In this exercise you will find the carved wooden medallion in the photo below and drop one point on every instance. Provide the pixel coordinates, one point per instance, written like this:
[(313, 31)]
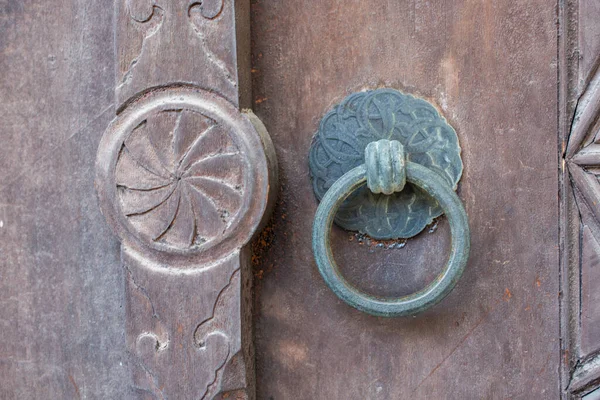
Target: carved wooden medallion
[(182, 172)]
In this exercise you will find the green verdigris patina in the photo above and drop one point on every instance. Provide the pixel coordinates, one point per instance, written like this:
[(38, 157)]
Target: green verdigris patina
[(386, 171), (366, 117)]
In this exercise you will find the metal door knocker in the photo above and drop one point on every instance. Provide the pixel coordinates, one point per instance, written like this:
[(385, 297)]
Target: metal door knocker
[(386, 164)]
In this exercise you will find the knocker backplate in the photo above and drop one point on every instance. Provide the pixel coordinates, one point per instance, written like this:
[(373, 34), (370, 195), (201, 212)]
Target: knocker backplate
[(365, 117)]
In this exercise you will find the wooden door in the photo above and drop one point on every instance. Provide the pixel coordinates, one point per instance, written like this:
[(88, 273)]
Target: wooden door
[(140, 198)]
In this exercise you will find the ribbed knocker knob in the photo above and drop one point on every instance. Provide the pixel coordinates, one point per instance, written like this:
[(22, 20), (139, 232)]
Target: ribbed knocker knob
[(386, 166)]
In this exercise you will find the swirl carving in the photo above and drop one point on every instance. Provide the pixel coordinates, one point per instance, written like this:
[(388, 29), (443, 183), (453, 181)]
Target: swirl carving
[(183, 172), (365, 117), (180, 178), (184, 178)]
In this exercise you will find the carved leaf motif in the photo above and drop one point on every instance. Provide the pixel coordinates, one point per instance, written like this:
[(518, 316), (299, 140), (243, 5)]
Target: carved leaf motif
[(145, 19), (181, 339), (140, 10), (202, 16), (180, 178), (209, 9), (168, 41), (364, 117)]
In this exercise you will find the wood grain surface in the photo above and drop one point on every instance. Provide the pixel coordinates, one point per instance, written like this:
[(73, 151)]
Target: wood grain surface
[(61, 282), (491, 68)]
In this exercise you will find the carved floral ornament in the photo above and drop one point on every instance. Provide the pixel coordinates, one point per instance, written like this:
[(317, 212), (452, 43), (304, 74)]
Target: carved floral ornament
[(183, 179), (180, 178), (582, 160), (180, 171)]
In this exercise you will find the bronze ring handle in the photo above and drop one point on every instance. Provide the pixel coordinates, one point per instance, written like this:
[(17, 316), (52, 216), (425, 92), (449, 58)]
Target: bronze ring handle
[(385, 171)]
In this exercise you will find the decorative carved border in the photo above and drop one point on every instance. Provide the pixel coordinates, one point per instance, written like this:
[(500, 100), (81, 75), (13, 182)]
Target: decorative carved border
[(185, 179), (579, 112)]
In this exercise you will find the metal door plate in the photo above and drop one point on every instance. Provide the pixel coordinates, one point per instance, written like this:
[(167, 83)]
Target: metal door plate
[(369, 116)]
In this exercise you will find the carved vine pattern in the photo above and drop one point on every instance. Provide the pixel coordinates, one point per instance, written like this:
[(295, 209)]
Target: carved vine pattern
[(211, 341), (147, 17)]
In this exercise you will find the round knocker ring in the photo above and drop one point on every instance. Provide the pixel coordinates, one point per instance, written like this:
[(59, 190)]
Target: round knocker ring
[(385, 171)]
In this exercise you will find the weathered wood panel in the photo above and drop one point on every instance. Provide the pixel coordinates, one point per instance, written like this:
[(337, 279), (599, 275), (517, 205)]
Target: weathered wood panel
[(75, 323), (491, 68), (61, 283)]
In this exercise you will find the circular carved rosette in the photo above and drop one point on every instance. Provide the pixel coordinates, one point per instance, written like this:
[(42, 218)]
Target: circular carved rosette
[(182, 175), (370, 116)]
